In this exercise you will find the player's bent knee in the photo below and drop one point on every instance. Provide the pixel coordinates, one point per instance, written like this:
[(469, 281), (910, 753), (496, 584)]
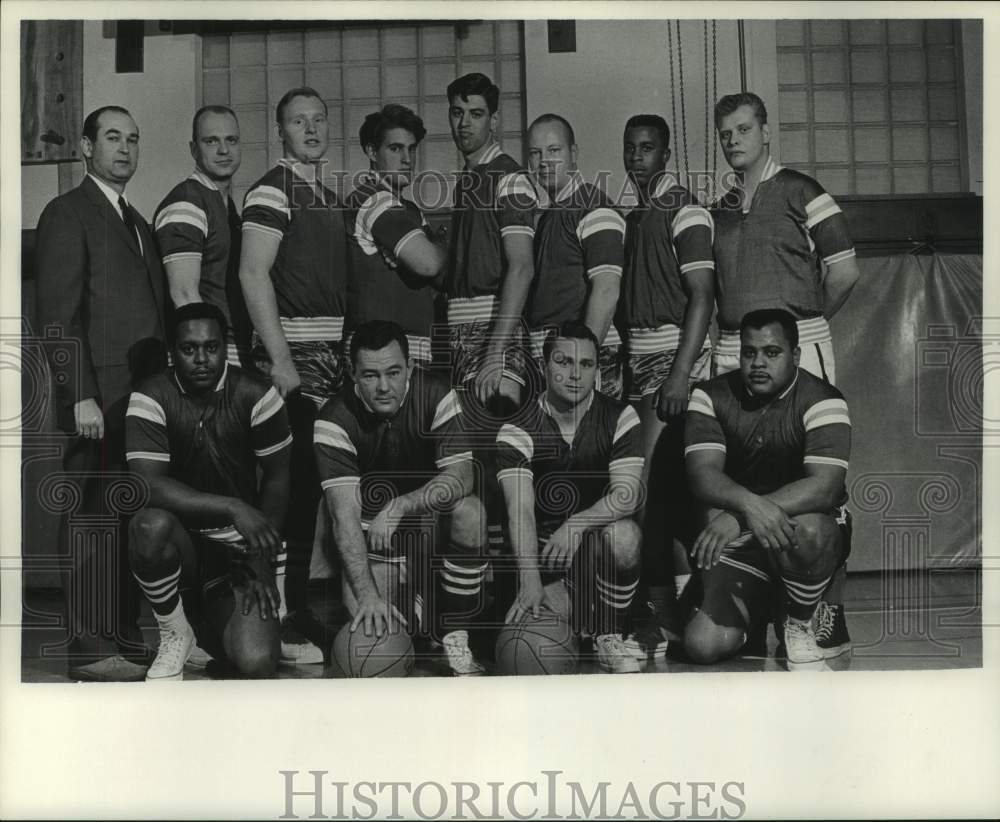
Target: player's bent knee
[(817, 534), (624, 537), (149, 532), (706, 643)]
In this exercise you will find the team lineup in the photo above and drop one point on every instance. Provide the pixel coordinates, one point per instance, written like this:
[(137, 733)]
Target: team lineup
[(516, 438)]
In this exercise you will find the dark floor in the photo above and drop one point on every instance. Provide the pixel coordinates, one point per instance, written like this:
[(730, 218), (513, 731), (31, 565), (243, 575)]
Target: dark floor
[(942, 629)]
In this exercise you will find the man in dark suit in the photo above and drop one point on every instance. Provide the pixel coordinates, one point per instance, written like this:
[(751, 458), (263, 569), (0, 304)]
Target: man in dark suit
[(100, 283)]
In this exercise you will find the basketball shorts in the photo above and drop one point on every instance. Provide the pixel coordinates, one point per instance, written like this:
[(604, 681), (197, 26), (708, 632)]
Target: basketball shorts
[(647, 372), (322, 366), (744, 560), (468, 348)]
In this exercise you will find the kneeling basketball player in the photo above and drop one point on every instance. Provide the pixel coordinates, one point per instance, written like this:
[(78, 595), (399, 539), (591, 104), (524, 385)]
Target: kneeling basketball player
[(570, 473), (396, 477), (197, 434), (767, 449)]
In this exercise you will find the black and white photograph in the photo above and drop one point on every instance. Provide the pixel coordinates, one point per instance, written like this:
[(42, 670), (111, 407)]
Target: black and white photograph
[(470, 351)]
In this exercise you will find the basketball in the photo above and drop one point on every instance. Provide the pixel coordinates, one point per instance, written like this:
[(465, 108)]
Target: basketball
[(355, 655), (545, 645)]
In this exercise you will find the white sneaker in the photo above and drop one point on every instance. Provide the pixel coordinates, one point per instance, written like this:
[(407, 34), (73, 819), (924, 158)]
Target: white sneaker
[(175, 647), (801, 651), (296, 647), (613, 655), (459, 655)]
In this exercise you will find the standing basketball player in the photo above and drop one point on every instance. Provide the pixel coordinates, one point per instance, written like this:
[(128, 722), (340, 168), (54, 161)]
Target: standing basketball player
[(198, 227), (578, 251), (294, 272), (395, 261)]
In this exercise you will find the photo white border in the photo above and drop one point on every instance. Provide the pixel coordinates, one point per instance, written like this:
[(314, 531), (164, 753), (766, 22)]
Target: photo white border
[(900, 744)]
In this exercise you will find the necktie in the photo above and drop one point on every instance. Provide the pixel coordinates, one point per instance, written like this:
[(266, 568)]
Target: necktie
[(129, 222)]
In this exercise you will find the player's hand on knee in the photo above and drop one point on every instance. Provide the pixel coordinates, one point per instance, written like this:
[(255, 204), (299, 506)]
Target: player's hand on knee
[(530, 598), (720, 531), (672, 398), (256, 529), (376, 616), (770, 525), (562, 546)]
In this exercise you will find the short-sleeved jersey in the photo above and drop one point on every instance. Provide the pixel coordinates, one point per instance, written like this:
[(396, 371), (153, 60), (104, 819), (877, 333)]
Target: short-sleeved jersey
[(493, 200), (579, 237), (310, 271), (569, 478), (196, 222), (768, 443), (663, 241), (212, 443), (383, 223), (769, 255), (389, 457)]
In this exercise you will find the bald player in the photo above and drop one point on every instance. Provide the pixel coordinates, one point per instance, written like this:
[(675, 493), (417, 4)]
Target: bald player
[(579, 251), (198, 228)]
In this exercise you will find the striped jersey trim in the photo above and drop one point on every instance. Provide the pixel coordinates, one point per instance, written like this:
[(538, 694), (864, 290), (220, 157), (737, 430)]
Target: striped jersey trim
[(463, 310), (182, 255), (332, 435), (600, 219), (705, 446), (274, 449), (827, 412), (145, 407), (702, 403), (839, 257), (518, 439), (312, 329), (268, 197), (266, 407), (819, 209), (448, 408), (155, 456), (627, 420), (183, 213), (806, 460)]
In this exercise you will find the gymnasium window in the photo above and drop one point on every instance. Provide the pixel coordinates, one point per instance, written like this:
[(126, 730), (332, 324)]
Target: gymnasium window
[(873, 106), (357, 69)]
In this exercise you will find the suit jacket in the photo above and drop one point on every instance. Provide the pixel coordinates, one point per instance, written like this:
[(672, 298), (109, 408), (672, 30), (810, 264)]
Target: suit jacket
[(106, 296)]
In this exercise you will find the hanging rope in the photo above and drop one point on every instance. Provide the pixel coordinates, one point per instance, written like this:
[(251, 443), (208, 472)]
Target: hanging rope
[(673, 87), (680, 74), (715, 97), (708, 138)]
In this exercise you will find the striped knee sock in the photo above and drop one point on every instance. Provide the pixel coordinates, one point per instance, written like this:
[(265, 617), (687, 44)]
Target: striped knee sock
[(460, 589), (614, 596), (802, 596), (279, 564), (162, 593)]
